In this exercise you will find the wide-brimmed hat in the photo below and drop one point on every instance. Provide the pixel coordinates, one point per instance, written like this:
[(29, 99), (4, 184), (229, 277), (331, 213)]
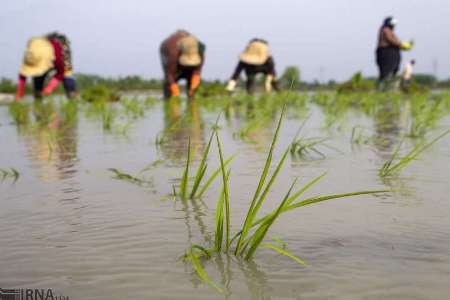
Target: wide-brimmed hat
[(38, 57), (256, 53), (190, 52)]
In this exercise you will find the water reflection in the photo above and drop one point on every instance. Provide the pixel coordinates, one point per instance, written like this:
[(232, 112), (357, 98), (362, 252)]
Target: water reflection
[(255, 280), (52, 140), (254, 120), (387, 128), (194, 211), (180, 125)]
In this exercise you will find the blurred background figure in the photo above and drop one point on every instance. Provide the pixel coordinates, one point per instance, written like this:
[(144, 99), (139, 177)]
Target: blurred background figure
[(255, 59), (388, 55), (47, 57), (407, 74), (182, 57), (388, 52)]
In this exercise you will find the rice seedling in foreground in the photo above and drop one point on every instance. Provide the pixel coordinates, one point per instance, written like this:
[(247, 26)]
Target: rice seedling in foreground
[(197, 191), (9, 173), (254, 229), (396, 163)]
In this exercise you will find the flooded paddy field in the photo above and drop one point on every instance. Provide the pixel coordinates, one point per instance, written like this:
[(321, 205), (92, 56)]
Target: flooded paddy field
[(92, 207)]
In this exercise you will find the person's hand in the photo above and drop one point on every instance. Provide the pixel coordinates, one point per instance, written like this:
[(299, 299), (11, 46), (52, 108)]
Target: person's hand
[(268, 83), (174, 90), (231, 85), (406, 46)]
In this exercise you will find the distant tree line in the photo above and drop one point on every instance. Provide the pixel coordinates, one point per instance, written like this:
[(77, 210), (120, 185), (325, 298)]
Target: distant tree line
[(289, 79)]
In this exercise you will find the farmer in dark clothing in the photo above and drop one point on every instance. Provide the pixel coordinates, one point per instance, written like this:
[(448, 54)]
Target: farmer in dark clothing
[(182, 57), (388, 51), (255, 59), (43, 57)]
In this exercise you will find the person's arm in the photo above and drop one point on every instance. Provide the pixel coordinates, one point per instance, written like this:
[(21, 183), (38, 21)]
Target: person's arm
[(391, 37), (231, 85), (171, 54), (237, 71), (172, 64), (271, 76), (271, 67), (20, 91), (58, 64)]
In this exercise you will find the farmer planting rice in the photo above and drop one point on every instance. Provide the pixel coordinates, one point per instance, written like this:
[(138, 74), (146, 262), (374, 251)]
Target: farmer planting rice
[(47, 57), (388, 52), (182, 57), (255, 59)]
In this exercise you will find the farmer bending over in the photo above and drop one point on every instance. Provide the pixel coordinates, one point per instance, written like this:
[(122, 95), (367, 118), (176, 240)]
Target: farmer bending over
[(255, 59), (182, 57), (47, 57)]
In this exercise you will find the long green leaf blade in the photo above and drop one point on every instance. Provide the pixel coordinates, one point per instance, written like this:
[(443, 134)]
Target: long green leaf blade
[(225, 193), (250, 215), (212, 177), (185, 178), (202, 167), (285, 253), (201, 272), (261, 232)]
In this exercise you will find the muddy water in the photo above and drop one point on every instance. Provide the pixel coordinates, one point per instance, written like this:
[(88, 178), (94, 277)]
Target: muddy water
[(67, 225)]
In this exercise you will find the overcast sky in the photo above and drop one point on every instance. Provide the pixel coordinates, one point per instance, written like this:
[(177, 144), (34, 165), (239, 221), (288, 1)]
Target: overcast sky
[(326, 39)]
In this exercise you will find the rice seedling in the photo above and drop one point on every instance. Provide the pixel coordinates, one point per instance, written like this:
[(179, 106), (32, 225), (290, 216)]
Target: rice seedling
[(396, 163), (123, 129), (251, 236), (9, 173), (100, 93), (196, 190), (151, 166), (358, 137), (150, 102), (109, 114), (251, 127), (45, 113), (133, 107), (303, 147), (138, 179), (424, 116), (20, 112), (185, 178), (69, 112)]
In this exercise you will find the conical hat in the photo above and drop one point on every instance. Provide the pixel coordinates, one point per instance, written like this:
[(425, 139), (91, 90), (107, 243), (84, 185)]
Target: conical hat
[(190, 54), (38, 57), (256, 53)]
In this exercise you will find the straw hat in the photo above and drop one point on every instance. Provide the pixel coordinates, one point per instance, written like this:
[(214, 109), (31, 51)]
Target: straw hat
[(190, 55), (38, 57), (256, 53)]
